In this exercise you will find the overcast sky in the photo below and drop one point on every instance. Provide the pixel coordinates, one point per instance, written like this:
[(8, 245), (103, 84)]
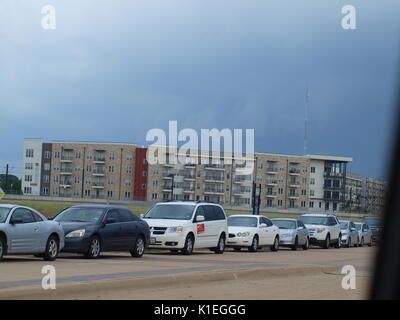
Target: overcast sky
[(113, 69)]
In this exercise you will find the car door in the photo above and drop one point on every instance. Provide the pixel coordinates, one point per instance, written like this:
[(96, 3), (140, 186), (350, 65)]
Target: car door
[(269, 231), (202, 228), (263, 232), (24, 236), (335, 227), (301, 232), (354, 233), (112, 234), (130, 228), (366, 233)]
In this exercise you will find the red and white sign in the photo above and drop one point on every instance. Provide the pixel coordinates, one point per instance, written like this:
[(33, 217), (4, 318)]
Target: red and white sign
[(201, 228)]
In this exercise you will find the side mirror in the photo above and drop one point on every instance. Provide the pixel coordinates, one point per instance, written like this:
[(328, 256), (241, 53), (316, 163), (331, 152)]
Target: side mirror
[(200, 218), (141, 216), (16, 220), (263, 225), (110, 220), (352, 229), (300, 228)]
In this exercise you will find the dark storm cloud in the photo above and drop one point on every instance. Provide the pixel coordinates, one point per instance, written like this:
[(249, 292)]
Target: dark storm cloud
[(114, 69)]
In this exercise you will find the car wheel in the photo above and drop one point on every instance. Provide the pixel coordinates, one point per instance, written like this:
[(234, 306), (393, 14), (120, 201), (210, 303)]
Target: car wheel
[(237, 249), (94, 248), (275, 246), (138, 248), (254, 245), (306, 245), (296, 244), (327, 242), (338, 244), (189, 243), (2, 248), (221, 245), (362, 242), (348, 244), (52, 248)]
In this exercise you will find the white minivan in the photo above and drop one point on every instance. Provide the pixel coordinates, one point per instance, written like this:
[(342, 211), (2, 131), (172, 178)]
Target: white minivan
[(184, 226)]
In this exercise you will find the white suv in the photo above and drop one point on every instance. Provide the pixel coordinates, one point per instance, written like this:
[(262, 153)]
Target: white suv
[(324, 229), (186, 226)]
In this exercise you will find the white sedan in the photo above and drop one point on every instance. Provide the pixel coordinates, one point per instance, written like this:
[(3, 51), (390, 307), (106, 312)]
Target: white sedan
[(252, 232)]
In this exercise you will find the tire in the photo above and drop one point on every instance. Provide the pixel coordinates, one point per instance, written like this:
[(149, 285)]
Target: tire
[(306, 245), (2, 248), (189, 244), (52, 249), (327, 242), (138, 248), (338, 244), (296, 244), (275, 246), (94, 248), (361, 242), (370, 242), (237, 249), (254, 245), (221, 245)]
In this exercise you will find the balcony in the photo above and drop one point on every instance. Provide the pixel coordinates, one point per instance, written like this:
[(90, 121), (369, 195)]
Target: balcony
[(66, 171), (219, 179), (271, 183), (214, 167), (98, 173), (271, 195), (99, 160), (272, 170), (190, 165), (66, 159), (294, 172), (294, 184), (98, 185), (66, 184), (293, 196), (189, 177), (188, 190), (213, 191)]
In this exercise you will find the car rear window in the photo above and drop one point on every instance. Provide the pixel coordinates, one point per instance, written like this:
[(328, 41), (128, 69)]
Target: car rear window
[(3, 214)]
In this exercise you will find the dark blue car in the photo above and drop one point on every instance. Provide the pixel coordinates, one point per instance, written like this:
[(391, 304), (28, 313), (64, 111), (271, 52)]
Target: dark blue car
[(92, 229)]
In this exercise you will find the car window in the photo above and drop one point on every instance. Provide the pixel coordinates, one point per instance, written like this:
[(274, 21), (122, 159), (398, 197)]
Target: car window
[(300, 224), (3, 214), (366, 227), (219, 213), (36, 217), (200, 212), (113, 214), (266, 221), (332, 221), (126, 215), (24, 214), (210, 213)]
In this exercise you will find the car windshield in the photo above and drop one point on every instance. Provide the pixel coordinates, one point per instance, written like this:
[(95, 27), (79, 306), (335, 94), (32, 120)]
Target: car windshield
[(376, 222), (3, 214), (284, 224), (80, 215), (242, 222), (170, 211), (358, 226), (314, 220), (344, 225)]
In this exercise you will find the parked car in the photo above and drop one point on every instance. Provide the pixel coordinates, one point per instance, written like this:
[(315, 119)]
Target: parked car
[(252, 232), (92, 229), (364, 234), (292, 233), (186, 226), (375, 224), (349, 233), (323, 229), (24, 230)]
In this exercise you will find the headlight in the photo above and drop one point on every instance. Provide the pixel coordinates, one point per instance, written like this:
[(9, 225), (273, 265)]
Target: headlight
[(175, 229), (319, 230), (243, 234), (76, 234)]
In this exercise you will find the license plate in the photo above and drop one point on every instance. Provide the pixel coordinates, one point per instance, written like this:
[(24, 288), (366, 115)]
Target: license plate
[(152, 240)]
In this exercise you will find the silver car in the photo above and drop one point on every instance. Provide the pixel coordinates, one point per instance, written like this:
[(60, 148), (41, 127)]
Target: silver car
[(364, 234), (292, 233), (349, 233), (24, 230)]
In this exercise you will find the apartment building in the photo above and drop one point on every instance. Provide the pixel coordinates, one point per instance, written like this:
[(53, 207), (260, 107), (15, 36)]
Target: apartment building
[(374, 195), (84, 170), (120, 171), (354, 192)]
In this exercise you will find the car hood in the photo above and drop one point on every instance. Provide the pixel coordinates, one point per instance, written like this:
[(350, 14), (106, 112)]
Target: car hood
[(167, 222), (71, 226), (240, 229)]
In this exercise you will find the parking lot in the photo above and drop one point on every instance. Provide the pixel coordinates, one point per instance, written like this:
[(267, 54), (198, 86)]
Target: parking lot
[(286, 274)]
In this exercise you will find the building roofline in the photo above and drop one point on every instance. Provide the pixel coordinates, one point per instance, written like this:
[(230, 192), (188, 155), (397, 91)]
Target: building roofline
[(329, 158)]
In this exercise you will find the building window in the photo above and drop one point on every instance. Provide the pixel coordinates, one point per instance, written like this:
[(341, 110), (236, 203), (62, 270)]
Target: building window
[(89, 155), (303, 192), (155, 170), (78, 155), (56, 154), (29, 153), (269, 203), (312, 181), (292, 204), (128, 169), (280, 203), (28, 166), (109, 193), (303, 204), (312, 169), (154, 196), (311, 204), (110, 168), (56, 179), (144, 173), (155, 183), (87, 193), (144, 186), (128, 182), (127, 194), (78, 168), (45, 191), (47, 155), (46, 166), (88, 168), (129, 157), (28, 190), (46, 178), (110, 181), (312, 193), (112, 156)]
